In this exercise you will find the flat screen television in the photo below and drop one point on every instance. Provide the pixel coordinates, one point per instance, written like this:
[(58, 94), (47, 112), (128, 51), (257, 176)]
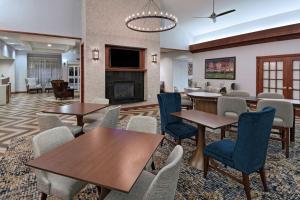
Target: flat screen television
[(126, 58)]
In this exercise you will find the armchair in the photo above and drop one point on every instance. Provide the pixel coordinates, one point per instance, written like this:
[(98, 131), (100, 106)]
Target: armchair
[(32, 85), (175, 127), (61, 89), (248, 153)]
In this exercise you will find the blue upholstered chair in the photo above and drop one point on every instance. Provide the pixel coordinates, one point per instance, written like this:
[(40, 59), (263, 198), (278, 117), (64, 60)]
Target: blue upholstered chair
[(248, 153), (169, 103)]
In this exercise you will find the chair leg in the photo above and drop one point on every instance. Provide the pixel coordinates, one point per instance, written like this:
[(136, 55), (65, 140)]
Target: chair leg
[(282, 138), (263, 179), (223, 130), (206, 166), (287, 142), (43, 196), (162, 142), (178, 142), (246, 184), (152, 166)]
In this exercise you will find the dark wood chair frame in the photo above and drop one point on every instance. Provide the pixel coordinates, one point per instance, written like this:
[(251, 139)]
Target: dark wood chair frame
[(245, 181)]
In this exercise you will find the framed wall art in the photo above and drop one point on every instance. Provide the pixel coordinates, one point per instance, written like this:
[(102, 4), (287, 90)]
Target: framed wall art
[(220, 68)]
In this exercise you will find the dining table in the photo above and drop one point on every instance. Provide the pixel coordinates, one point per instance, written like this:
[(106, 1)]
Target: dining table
[(77, 109), (207, 102), (111, 159), (203, 120)]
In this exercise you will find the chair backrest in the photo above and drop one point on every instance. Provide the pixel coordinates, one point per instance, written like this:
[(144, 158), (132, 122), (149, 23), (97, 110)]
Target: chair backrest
[(269, 95), (111, 118), (231, 104), (168, 103), (31, 81), (50, 139), (142, 124), (48, 121), (254, 130), (284, 110), (189, 90), (44, 142), (100, 100), (238, 93), (163, 186)]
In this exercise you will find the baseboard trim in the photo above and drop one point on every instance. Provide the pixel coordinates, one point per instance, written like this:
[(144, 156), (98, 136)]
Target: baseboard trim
[(138, 107)]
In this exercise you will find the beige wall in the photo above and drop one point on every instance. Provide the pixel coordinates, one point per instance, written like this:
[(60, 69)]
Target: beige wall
[(103, 23), (245, 62)]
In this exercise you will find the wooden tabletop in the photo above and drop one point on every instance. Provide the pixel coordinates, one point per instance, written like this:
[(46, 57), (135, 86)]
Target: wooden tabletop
[(209, 120), (77, 109), (111, 158), (205, 94), (251, 99)]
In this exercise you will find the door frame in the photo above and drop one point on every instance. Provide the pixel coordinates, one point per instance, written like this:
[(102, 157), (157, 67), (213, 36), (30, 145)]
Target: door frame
[(82, 72), (287, 60)]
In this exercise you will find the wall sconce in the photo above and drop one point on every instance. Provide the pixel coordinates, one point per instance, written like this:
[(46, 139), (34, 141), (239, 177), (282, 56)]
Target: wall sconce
[(95, 54), (154, 58)]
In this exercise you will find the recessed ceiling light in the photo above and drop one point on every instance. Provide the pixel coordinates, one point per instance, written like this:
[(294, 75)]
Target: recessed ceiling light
[(49, 45), (11, 43), (5, 38)]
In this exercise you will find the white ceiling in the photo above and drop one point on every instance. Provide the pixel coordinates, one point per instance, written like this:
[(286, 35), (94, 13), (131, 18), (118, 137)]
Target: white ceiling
[(250, 15), (37, 44)]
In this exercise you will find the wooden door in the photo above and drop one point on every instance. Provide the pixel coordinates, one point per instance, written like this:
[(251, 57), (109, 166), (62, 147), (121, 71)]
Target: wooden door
[(279, 74), (294, 70)]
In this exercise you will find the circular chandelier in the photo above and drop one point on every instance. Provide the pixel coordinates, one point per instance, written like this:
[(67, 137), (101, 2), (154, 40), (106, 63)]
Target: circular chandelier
[(151, 19)]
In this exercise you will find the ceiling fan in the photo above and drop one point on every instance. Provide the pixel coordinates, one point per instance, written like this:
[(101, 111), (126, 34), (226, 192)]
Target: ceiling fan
[(214, 16)]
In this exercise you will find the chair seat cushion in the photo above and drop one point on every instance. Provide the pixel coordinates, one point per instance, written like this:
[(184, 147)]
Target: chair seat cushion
[(278, 122), (64, 187), (181, 130), (98, 116), (138, 190), (232, 115), (221, 151)]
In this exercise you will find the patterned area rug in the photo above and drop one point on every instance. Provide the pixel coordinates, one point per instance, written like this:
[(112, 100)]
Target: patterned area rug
[(283, 175)]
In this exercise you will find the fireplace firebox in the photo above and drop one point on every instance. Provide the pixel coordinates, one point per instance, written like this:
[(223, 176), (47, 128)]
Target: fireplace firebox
[(123, 90), (124, 87)]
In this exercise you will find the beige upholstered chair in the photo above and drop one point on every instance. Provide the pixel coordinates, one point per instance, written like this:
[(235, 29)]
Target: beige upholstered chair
[(267, 95), (93, 117), (155, 187), (110, 120), (284, 118), (32, 84), (231, 107), (49, 183), (48, 121), (144, 124), (238, 93)]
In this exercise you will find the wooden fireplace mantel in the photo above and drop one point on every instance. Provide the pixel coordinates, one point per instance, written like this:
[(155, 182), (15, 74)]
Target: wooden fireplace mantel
[(122, 69), (109, 68)]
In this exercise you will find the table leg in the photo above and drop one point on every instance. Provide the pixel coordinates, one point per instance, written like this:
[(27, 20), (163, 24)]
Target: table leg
[(102, 192), (292, 130), (80, 120), (198, 157)]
